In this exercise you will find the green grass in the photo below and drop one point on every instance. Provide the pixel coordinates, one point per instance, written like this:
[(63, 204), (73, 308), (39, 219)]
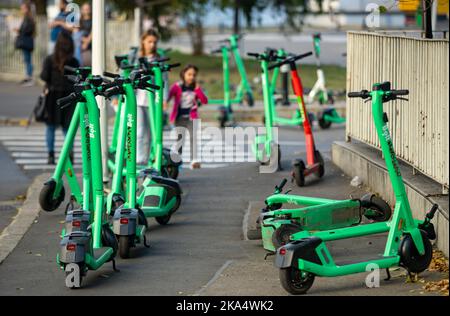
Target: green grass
[(210, 75)]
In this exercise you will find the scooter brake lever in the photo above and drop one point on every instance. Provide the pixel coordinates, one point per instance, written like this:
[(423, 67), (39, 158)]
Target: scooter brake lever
[(287, 192), (400, 98), (368, 100)]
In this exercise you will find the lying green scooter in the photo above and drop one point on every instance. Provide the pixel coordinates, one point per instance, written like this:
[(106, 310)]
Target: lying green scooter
[(319, 91), (244, 90), (87, 239), (408, 242)]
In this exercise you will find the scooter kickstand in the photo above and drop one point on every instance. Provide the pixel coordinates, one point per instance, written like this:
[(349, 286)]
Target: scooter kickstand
[(269, 254), (388, 277), (114, 266), (145, 242)]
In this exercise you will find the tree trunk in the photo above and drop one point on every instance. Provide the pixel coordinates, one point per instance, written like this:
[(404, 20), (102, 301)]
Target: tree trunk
[(195, 29), (41, 7), (236, 28)]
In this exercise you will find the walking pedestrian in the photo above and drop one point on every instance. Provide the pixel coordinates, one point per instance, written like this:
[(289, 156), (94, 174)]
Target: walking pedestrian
[(25, 41), (57, 87)]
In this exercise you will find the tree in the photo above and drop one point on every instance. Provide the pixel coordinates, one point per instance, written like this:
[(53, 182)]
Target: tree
[(193, 12)]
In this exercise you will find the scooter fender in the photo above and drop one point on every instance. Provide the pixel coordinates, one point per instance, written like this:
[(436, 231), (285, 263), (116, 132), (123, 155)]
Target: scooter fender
[(77, 220), (305, 249), (125, 221), (74, 246)]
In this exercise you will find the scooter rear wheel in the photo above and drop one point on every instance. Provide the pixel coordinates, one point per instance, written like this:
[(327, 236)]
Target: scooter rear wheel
[(46, 200), (299, 173), (163, 220), (382, 210), (295, 281), (281, 235), (124, 246)]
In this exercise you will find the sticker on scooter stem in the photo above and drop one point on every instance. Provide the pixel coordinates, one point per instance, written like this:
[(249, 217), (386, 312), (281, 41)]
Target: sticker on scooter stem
[(387, 137), (72, 275)]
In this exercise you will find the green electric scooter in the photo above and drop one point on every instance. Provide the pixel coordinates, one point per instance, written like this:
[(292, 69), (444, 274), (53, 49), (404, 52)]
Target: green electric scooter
[(53, 192), (408, 242), (265, 146), (129, 221), (243, 91), (329, 115), (87, 239), (296, 119), (159, 196), (171, 160)]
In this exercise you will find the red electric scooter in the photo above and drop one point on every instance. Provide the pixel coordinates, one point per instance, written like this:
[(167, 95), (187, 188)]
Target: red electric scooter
[(314, 160)]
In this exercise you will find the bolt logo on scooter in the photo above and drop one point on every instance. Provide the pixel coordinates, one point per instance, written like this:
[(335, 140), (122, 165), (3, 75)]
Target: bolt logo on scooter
[(408, 240)]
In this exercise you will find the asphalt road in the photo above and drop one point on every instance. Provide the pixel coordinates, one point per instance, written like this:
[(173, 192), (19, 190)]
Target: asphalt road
[(203, 242), (183, 257)]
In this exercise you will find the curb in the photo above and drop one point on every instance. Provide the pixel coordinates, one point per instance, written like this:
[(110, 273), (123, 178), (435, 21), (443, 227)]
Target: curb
[(26, 215)]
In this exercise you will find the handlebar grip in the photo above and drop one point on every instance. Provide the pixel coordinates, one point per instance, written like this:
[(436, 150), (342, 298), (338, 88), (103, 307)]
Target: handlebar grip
[(433, 210), (112, 91), (282, 184), (256, 55), (70, 69), (66, 100), (399, 92), (174, 65), (110, 74), (162, 59), (72, 78), (303, 55), (360, 94)]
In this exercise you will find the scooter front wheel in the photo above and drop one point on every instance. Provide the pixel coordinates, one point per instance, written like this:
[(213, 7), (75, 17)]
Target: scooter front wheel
[(319, 159), (46, 200), (295, 281), (410, 257)]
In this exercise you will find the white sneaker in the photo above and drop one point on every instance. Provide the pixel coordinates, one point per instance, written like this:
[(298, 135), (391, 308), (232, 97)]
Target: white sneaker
[(28, 83)]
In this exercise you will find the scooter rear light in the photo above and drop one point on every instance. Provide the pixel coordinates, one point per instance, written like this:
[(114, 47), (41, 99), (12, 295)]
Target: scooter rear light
[(282, 251), (76, 223), (71, 247), (124, 221)]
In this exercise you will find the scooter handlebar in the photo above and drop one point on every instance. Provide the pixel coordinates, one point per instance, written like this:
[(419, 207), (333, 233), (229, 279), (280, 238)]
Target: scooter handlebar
[(290, 59), (399, 92), (67, 100), (280, 187), (360, 94), (112, 91), (110, 75), (69, 69)]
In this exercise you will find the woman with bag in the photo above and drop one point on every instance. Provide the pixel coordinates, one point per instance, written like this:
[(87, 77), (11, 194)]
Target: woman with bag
[(25, 41), (58, 86)]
